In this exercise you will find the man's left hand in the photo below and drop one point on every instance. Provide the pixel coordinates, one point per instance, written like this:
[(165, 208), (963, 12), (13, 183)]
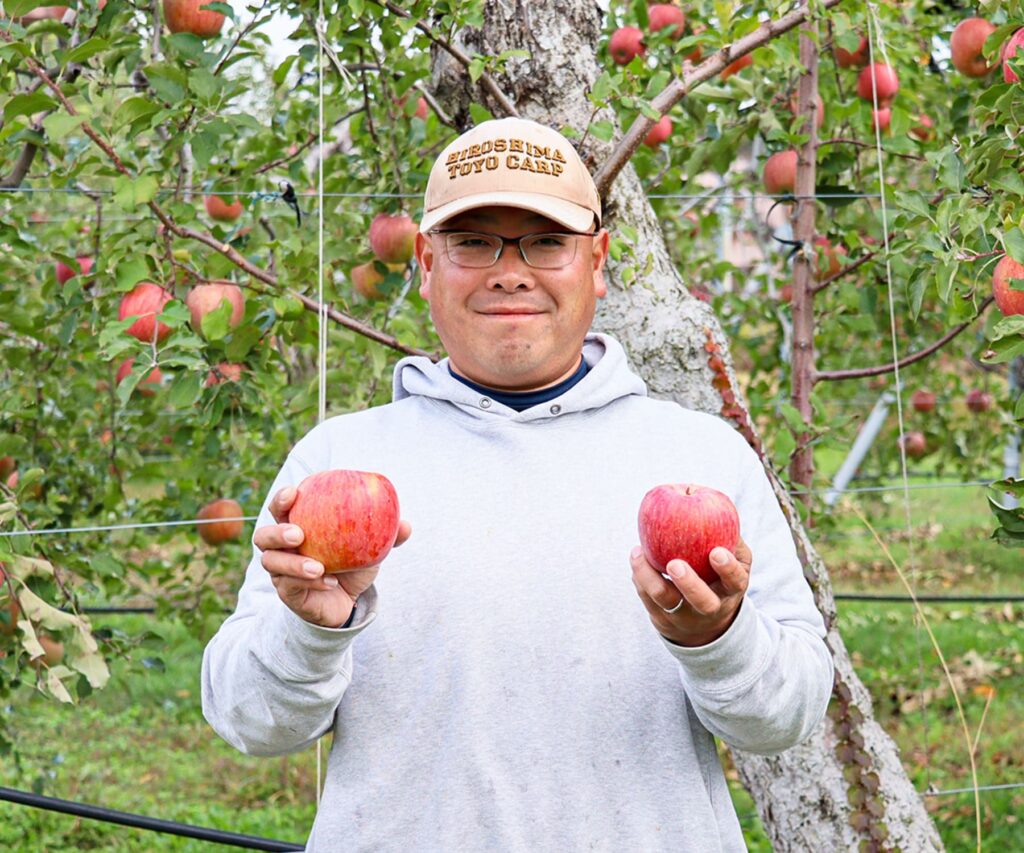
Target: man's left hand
[(707, 610)]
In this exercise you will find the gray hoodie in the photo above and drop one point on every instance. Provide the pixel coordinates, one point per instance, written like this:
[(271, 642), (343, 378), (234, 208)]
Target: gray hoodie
[(501, 687)]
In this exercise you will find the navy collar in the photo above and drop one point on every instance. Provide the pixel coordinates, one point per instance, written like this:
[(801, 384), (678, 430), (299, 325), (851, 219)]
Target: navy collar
[(522, 400)]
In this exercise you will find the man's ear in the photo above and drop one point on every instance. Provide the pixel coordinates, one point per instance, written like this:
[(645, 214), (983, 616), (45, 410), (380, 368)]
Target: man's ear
[(599, 256), (425, 260)]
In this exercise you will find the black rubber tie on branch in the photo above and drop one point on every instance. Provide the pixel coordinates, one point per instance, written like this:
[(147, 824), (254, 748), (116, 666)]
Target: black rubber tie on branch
[(233, 839)]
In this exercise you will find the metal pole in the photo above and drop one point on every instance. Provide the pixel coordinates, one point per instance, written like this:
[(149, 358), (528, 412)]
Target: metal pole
[(861, 445)]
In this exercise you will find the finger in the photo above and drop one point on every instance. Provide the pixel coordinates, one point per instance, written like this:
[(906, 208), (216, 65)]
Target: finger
[(651, 584), (733, 575), (697, 593), (742, 552), (277, 537), (294, 592), (287, 564), (404, 532), (282, 502)]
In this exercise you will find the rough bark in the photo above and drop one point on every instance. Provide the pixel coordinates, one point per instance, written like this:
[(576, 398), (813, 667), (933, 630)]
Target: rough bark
[(676, 344)]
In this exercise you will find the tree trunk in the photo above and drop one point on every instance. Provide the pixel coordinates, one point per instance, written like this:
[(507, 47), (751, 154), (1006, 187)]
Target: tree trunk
[(845, 788)]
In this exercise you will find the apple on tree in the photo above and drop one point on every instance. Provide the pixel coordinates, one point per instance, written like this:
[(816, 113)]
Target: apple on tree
[(966, 47), (350, 518), (219, 532), (392, 237), (819, 110), (218, 209), (858, 57), (206, 298), (923, 400), (979, 400), (1008, 271), (145, 301), (736, 67), (661, 15), (1011, 51), (924, 129), (914, 444), (625, 44), (66, 273), (878, 81), (687, 522), (780, 172), (224, 371), (186, 16), (153, 378), (7, 466), (828, 256), (660, 132), (366, 278), (881, 119)]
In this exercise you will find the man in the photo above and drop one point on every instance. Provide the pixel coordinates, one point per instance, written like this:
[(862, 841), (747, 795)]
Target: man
[(499, 684)]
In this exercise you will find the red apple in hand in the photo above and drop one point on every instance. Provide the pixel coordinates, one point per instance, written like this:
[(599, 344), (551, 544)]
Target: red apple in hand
[(216, 532), (349, 518), (687, 522)]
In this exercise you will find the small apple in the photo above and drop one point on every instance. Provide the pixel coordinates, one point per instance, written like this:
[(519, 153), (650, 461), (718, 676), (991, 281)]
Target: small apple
[(220, 210), (225, 371), (145, 301), (153, 378), (53, 651), (914, 444), (881, 119), (924, 129), (828, 256), (660, 132), (186, 16), (878, 79), (42, 13), (780, 172), (1010, 52), (923, 400), (7, 465), (65, 273), (349, 518), (204, 298), (625, 44), (661, 15), (392, 237), (422, 108), (736, 67), (686, 522), (366, 278), (859, 57), (978, 400), (819, 110), (218, 532), (1007, 271), (966, 44)]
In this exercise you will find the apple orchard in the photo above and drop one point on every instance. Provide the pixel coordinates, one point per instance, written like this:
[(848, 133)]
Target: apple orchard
[(161, 205)]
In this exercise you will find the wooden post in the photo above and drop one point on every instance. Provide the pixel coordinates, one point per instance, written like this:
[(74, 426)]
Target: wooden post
[(802, 357)]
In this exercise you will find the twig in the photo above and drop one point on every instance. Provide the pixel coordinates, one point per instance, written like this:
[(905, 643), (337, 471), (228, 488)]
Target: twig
[(858, 144), (833, 375)]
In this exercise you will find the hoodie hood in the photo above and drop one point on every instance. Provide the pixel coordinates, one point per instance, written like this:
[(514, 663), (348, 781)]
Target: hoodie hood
[(608, 378)]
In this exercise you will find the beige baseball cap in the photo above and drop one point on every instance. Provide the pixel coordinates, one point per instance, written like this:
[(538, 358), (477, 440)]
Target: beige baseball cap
[(512, 162)]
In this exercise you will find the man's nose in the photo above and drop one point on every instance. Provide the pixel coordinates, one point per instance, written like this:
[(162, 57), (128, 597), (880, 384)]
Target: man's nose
[(510, 272)]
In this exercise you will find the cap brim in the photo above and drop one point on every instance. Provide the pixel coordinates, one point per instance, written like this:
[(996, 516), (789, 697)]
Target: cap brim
[(565, 213)]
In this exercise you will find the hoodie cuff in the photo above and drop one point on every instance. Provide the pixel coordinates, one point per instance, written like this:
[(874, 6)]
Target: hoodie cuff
[(304, 651), (734, 660)]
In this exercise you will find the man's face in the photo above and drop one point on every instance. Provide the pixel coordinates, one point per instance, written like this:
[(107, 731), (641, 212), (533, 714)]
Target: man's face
[(539, 344)]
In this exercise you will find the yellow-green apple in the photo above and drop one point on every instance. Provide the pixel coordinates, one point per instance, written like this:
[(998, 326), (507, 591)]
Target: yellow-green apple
[(220, 210), (660, 132), (780, 172), (349, 518), (65, 273), (185, 16), (366, 278), (686, 521), (979, 400), (923, 400), (145, 301), (966, 44), (225, 371), (858, 57), (661, 15), (392, 237), (1010, 52), (204, 298), (1007, 271), (218, 532), (153, 378), (878, 80), (625, 44), (914, 444)]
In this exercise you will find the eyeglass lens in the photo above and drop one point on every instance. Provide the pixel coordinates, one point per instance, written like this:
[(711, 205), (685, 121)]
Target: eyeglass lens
[(548, 251)]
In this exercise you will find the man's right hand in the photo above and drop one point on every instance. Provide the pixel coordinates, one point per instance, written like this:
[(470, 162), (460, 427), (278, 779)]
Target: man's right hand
[(300, 581)]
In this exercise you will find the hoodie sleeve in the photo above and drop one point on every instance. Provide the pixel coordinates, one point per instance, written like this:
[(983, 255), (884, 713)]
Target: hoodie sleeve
[(764, 685), (271, 681)]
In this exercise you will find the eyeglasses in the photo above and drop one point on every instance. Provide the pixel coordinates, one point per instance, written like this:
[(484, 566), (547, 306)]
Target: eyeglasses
[(477, 250)]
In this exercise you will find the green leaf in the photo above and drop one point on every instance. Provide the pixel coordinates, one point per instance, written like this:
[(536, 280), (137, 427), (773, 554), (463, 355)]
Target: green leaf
[(130, 192), (915, 203), (23, 105), (59, 125), (603, 130), (1013, 241), (281, 72), (87, 49), (130, 272), (133, 110), (476, 68), (243, 340), (1009, 181), (793, 418), (215, 324), (952, 173), (601, 88), (185, 390)]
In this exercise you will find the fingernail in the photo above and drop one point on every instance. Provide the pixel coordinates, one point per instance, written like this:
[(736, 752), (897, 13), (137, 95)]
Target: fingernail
[(677, 568), (292, 536), (718, 557), (635, 553), (312, 569), (330, 580)]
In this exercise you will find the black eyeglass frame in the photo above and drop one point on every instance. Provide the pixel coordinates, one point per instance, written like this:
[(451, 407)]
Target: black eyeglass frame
[(506, 240)]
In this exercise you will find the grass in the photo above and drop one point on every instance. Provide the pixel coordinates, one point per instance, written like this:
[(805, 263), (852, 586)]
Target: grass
[(141, 745)]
